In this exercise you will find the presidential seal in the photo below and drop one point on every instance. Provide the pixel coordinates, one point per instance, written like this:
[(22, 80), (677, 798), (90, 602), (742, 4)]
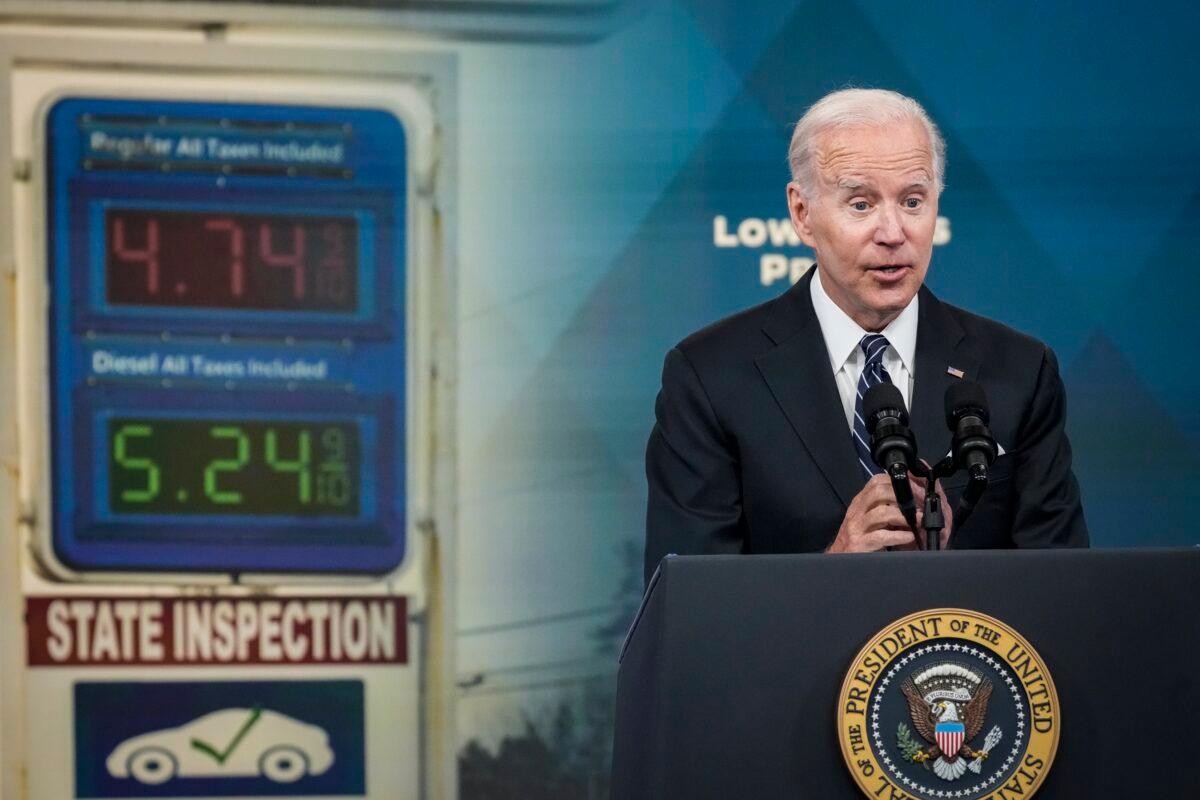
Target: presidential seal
[(948, 703)]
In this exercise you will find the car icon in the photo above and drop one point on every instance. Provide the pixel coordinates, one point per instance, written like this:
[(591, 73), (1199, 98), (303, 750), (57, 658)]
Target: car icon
[(230, 743)]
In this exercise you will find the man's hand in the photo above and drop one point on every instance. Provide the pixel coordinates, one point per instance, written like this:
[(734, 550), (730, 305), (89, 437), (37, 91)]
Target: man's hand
[(874, 522)]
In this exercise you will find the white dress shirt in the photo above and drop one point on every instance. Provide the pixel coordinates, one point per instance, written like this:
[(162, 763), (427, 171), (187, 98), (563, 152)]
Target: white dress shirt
[(846, 358)]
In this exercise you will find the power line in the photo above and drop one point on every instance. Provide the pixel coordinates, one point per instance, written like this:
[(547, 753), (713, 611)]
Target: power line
[(528, 687), (533, 622), (482, 675), (567, 662)]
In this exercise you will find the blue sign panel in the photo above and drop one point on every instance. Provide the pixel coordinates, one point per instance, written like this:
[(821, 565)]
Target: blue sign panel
[(217, 739), (227, 336)]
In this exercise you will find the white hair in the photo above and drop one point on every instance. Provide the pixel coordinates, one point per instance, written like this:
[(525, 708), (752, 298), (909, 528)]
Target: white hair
[(850, 108)]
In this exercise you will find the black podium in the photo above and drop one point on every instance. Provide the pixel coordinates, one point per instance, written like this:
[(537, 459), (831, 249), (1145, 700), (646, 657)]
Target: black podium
[(729, 679)]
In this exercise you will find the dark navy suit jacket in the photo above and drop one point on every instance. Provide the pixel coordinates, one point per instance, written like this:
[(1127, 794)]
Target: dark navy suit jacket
[(751, 453)]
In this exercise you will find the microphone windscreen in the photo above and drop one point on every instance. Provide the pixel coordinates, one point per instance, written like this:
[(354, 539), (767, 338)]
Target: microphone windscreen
[(883, 397), (963, 397)]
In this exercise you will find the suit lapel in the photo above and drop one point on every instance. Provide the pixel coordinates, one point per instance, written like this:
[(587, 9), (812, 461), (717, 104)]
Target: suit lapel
[(941, 344), (798, 374)]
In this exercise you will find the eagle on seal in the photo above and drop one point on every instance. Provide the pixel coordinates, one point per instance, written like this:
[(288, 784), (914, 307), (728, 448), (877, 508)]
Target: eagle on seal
[(939, 723)]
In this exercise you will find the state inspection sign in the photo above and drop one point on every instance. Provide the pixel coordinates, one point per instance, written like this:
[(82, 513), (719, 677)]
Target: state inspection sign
[(179, 631)]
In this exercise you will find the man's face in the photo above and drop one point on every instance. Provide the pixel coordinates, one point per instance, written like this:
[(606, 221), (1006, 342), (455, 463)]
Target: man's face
[(872, 217)]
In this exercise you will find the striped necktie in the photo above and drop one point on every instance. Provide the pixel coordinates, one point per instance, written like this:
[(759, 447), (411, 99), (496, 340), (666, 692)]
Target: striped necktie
[(873, 345)]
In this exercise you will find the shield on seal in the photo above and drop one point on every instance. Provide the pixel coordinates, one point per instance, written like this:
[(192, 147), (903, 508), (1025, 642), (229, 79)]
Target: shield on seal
[(949, 737)]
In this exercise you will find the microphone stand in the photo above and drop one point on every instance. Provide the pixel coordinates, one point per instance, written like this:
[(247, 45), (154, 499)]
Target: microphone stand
[(935, 523), (935, 520), (934, 516)]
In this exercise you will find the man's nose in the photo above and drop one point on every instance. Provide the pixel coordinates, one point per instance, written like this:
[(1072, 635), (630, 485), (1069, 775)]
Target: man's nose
[(889, 229)]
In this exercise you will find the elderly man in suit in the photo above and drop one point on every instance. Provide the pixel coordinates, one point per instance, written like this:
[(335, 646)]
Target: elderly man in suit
[(759, 444)]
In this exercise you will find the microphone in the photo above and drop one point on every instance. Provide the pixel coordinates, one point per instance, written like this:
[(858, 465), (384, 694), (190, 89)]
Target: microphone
[(893, 445), (886, 418), (972, 448)]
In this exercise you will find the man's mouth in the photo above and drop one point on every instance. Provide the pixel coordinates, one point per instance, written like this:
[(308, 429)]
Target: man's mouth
[(889, 269)]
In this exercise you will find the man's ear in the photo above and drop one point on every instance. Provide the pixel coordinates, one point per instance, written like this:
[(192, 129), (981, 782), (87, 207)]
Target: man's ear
[(799, 209)]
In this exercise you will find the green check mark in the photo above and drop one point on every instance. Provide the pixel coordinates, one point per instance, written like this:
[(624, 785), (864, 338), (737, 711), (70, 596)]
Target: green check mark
[(221, 755)]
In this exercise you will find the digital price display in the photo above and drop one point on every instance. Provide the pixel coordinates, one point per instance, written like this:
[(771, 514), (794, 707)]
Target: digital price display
[(211, 260), (232, 466), (228, 336)]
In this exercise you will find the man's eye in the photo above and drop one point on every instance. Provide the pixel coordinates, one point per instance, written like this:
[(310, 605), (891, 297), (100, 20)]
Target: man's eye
[(860, 205), (912, 202)]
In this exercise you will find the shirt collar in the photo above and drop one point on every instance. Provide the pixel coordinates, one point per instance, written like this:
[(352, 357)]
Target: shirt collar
[(843, 334)]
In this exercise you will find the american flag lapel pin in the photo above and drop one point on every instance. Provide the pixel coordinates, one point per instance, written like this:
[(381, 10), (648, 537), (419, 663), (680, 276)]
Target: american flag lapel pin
[(958, 373)]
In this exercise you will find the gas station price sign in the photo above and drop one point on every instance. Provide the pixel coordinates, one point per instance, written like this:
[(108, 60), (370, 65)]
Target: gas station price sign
[(227, 336), (205, 259), (233, 466)]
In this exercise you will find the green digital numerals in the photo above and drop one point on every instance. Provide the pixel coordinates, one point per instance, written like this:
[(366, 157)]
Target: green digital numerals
[(219, 465), (237, 466), (150, 488)]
